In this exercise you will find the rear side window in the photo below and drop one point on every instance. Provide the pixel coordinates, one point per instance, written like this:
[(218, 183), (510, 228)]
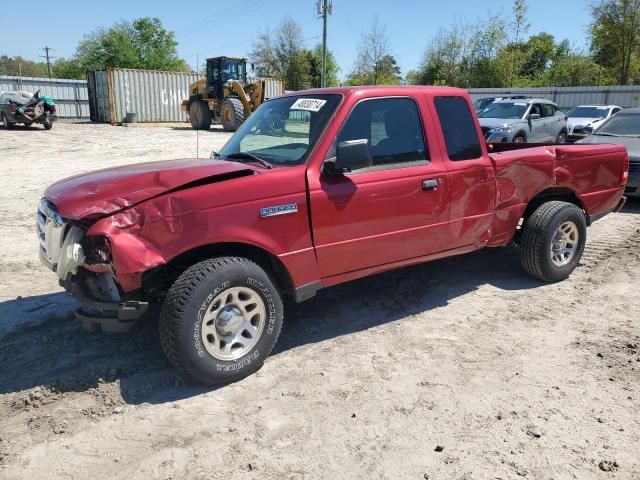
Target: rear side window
[(548, 110), (460, 134)]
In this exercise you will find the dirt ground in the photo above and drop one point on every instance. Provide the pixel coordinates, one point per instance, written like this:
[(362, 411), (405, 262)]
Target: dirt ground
[(512, 377)]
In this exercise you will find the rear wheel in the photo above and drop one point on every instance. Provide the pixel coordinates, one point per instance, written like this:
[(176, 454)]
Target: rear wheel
[(232, 114), (200, 115), (553, 240), (220, 320), (5, 122)]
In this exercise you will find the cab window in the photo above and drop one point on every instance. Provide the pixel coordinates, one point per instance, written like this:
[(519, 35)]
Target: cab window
[(393, 128), (458, 128)]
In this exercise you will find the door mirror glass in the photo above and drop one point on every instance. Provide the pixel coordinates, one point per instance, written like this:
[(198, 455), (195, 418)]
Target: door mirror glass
[(534, 116), (351, 155)]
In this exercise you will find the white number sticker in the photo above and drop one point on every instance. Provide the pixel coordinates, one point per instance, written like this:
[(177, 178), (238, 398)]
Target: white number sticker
[(308, 104)]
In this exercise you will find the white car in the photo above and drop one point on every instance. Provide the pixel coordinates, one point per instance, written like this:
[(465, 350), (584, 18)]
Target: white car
[(588, 116)]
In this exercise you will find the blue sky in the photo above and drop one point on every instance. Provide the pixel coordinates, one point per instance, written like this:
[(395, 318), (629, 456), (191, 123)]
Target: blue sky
[(410, 24)]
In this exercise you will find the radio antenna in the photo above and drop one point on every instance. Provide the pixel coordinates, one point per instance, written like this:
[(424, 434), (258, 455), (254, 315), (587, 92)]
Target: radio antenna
[(197, 129)]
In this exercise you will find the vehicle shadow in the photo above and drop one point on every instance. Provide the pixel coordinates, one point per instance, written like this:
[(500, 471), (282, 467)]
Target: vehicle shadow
[(56, 353), (632, 205)]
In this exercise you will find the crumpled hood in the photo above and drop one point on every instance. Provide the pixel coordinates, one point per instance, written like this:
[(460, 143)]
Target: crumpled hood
[(500, 122), (107, 191)]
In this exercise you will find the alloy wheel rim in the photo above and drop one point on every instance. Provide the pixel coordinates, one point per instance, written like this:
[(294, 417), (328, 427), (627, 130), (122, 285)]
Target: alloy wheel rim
[(233, 323), (564, 244)]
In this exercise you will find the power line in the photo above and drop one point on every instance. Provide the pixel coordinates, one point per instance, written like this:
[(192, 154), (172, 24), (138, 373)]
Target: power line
[(223, 18), (49, 58)]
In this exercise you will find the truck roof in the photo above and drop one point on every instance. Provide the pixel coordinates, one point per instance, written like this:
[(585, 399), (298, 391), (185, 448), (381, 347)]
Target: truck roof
[(382, 89)]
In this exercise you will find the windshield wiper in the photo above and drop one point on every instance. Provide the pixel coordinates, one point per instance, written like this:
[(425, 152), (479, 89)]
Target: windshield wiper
[(249, 156)]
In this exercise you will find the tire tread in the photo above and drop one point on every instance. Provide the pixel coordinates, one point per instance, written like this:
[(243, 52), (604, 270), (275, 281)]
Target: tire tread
[(177, 301)]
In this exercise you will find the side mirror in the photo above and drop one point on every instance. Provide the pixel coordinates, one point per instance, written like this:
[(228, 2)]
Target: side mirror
[(534, 116), (588, 130), (351, 155)]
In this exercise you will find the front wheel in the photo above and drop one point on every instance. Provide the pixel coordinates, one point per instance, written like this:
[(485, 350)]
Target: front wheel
[(47, 123), (562, 137), (553, 239), (232, 114), (519, 139), (220, 320), (200, 115)]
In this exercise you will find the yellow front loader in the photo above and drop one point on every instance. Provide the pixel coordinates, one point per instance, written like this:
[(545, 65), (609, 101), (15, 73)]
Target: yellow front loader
[(224, 96)]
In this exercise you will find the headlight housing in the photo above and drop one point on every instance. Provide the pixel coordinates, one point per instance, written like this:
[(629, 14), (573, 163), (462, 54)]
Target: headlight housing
[(502, 130)]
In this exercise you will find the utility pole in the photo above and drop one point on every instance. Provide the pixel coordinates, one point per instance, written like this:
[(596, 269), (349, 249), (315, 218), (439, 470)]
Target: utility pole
[(49, 58), (325, 8)]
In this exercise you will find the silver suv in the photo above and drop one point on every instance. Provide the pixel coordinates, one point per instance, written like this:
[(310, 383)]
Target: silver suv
[(534, 120)]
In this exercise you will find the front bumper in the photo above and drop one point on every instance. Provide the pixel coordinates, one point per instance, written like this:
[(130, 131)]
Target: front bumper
[(111, 316), (102, 304), (498, 137)]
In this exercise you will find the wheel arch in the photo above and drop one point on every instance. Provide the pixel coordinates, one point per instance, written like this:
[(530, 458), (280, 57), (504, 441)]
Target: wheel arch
[(161, 277), (562, 194)]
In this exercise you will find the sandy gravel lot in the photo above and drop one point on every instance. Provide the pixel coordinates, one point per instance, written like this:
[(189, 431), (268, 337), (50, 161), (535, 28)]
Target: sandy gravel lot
[(515, 379)]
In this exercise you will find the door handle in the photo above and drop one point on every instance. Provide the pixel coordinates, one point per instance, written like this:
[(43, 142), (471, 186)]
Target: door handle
[(429, 185)]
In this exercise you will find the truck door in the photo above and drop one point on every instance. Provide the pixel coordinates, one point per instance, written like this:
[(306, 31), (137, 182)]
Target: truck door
[(394, 210), (470, 171)]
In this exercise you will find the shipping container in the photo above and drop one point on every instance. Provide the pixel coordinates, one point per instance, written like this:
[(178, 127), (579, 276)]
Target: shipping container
[(154, 96), (625, 96), (70, 95)]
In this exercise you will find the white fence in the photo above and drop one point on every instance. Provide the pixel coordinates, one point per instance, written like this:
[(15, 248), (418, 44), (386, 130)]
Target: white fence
[(70, 95), (567, 97)]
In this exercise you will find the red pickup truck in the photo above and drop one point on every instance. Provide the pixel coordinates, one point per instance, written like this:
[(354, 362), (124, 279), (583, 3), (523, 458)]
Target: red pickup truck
[(316, 188)]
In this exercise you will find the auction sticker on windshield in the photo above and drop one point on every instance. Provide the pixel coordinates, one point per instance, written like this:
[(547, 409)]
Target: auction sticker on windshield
[(308, 104)]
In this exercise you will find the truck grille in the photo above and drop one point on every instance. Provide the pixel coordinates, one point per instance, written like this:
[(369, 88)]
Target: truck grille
[(51, 229), (634, 166)]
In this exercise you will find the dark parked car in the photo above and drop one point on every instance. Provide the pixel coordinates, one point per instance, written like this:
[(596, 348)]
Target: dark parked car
[(623, 129)]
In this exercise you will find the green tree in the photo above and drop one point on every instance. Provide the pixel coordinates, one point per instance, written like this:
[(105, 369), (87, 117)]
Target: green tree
[(143, 44), (375, 65), (20, 66), (283, 56), (68, 68), (615, 36), (314, 60), (519, 23)]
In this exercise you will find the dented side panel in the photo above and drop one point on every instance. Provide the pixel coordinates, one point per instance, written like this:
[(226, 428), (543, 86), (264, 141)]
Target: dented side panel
[(154, 232)]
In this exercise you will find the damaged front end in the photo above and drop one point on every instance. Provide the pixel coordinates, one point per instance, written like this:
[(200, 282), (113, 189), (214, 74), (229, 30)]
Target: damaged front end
[(84, 267)]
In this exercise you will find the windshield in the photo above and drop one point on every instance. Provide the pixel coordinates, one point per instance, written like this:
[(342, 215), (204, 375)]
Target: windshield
[(588, 112), (483, 102), (622, 124), (504, 110), (232, 70), (282, 131)]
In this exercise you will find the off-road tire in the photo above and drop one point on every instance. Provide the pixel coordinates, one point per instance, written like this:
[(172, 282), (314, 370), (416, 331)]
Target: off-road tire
[(537, 235), (47, 123), (232, 114), (188, 301), (562, 137), (200, 115), (5, 122)]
